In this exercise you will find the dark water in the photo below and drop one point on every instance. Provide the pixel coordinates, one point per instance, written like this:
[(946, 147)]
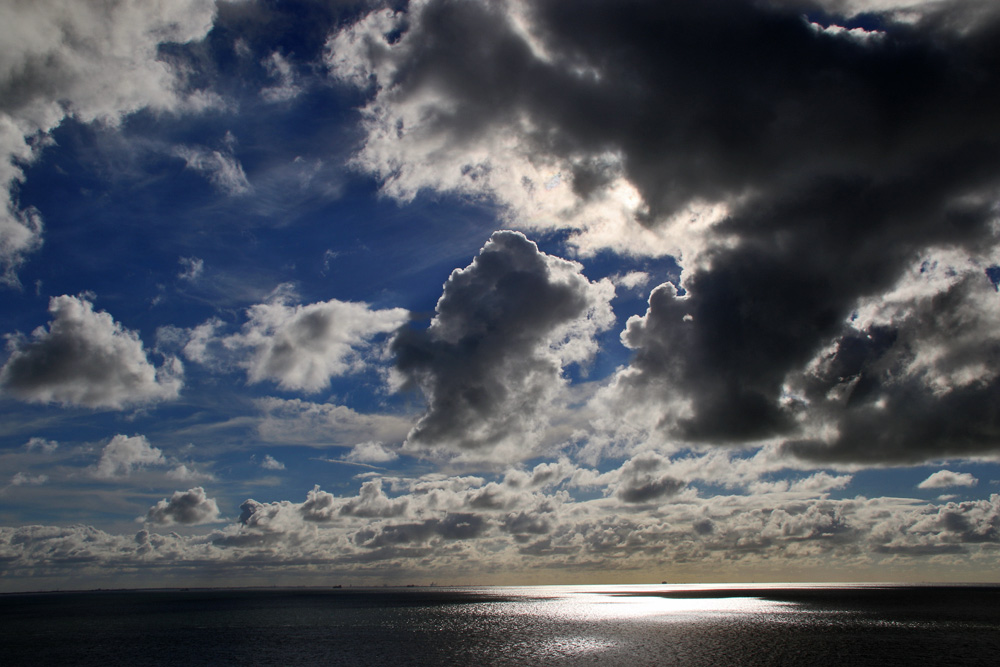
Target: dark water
[(660, 625)]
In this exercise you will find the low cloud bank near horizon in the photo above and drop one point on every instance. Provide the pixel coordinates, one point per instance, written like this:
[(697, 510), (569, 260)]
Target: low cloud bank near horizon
[(441, 528)]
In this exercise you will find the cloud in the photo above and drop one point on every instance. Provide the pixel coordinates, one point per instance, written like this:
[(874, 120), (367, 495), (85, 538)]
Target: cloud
[(280, 68), (430, 521), (372, 502), (633, 280), (186, 508), (183, 473), (491, 362), (466, 102), (124, 455), (641, 481), (542, 475), (830, 193), (958, 14), (951, 526), (41, 445), (300, 347), (914, 374), (298, 422), (199, 343), (91, 60), (522, 524), (799, 172), (271, 463), (85, 358), (191, 268), (588, 91), (221, 168), (457, 526), (370, 452), (943, 479), (319, 505), (23, 478)]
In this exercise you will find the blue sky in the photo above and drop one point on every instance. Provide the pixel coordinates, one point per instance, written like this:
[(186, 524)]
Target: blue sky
[(311, 292)]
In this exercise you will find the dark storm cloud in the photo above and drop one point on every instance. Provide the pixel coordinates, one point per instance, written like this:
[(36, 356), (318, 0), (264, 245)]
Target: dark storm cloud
[(855, 156), (489, 361), (711, 99), (843, 157), (949, 406), (913, 425), (707, 99)]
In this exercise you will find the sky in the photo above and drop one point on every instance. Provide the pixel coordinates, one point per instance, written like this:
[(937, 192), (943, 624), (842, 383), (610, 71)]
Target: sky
[(316, 292)]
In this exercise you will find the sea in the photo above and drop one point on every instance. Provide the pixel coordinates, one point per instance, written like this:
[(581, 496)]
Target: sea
[(713, 625)]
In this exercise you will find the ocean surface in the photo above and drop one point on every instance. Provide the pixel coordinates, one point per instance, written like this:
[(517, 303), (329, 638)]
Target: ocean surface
[(478, 626)]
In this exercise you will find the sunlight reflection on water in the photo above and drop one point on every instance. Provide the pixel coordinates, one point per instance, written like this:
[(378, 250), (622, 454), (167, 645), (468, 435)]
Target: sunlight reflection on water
[(596, 607), (584, 625), (596, 603), (482, 626)]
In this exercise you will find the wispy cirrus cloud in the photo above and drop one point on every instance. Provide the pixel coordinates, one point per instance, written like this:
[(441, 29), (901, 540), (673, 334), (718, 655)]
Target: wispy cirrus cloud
[(220, 166)]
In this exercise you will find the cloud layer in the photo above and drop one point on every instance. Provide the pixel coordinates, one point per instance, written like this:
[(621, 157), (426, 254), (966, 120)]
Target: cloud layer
[(434, 525)]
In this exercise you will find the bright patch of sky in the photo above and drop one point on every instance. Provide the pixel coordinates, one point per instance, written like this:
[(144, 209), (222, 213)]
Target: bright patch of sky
[(417, 290)]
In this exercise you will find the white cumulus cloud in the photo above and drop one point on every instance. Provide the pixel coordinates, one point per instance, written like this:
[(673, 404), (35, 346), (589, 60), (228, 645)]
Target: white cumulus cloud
[(302, 346), (124, 455), (271, 463), (944, 479), (370, 452)]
